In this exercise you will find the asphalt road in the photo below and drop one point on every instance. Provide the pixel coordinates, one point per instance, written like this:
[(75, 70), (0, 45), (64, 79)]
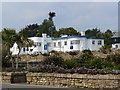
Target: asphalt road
[(25, 86)]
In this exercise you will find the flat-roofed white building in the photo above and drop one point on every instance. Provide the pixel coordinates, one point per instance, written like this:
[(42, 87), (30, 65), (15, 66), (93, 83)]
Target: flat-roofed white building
[(116, 41), (41, 45), (77, 43), (65, 43)]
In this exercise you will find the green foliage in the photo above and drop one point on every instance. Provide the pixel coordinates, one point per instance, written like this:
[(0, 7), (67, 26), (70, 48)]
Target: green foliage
[(53, 59), (94, 63), (105, 49), (70, 64), (51, 15), (93, 33), (113, 58), (69, 30), (73, 53), (8, 39), (47, 27), (46, 54), (55, 52), (30, 30), (86, 55)]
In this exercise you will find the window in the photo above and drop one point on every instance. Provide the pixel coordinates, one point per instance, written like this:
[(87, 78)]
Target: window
[(37, 43), (75, 42), (71, 47), (93, 42), (23, 49), (116, 46), (59, 43), (65, 42), (27, 49), (49, 44), (54, 44), (99, 42)]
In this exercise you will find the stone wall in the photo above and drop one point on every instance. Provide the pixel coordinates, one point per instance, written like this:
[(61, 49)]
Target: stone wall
[(13, 77), (74, 80), (63, 80)]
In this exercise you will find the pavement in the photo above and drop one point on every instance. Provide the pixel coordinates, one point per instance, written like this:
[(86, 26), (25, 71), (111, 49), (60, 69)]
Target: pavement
[(24, 86)]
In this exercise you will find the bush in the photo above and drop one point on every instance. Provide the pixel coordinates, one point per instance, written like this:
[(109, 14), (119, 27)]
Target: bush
[(54, 59), (105, 49), (86, 55), (73, 53), (70, 64), (113, 58), (46, 54), (55, 52), (94, 63)]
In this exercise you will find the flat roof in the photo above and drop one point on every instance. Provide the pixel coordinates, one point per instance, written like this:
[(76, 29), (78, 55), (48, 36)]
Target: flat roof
[(76, 37)]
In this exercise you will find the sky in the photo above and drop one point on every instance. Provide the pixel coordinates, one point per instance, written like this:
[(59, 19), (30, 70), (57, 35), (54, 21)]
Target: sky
[(79, 15)]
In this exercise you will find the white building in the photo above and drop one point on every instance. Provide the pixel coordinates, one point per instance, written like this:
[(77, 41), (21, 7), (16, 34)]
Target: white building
[(116, 41), (65, 43), (41, 45), (77, 43), (14, 49)]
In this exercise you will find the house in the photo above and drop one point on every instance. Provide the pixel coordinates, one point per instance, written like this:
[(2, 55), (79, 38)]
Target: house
[(65, 43), (77, 43), (41, 45), (116, 41)]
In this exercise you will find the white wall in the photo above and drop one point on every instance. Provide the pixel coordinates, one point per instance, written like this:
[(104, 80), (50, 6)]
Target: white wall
[(84, 44), (114, 46)]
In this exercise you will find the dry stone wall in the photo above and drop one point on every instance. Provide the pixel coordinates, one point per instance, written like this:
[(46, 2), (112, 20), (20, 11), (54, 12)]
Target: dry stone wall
[(74, 80), (63, 80), (13, 77)]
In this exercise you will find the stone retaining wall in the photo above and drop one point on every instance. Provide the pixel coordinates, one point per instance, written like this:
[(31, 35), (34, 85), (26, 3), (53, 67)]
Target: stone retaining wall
[(63, 80), (13, 77), (74, 80)]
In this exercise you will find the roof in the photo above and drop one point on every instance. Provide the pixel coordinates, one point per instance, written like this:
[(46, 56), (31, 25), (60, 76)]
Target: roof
[(76, 37)]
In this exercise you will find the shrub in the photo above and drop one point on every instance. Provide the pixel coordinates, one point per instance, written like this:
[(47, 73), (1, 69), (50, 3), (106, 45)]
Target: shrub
[(86, 55), (70, 64), (105, 49), (46, 54), (55, 52), (73, 53), (113, 58), (54, 59), (94, 63)]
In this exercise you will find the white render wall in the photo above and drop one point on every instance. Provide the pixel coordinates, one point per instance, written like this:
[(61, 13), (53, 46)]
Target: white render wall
[(114, 46), (39, 47), (85, 43)]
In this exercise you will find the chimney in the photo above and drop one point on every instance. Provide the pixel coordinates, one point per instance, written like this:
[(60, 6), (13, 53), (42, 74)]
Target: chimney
[(82, 33), (44, 35)]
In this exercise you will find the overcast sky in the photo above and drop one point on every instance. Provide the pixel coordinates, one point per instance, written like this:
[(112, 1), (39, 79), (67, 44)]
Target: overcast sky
[(79, 15)]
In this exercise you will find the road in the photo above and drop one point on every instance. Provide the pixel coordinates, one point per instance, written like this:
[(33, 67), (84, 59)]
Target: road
[(25, 86)]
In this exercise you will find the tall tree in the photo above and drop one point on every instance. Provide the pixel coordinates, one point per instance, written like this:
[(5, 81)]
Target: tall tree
[(93, 32), (30, 30), (51, 15), (69, 30), (8, 39)]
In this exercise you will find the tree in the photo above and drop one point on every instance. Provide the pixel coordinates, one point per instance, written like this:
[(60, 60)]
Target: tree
[(30, 30), (22, 41), (47, 27), (93, 33), (8, 38), (69, 30), (51, 15)]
